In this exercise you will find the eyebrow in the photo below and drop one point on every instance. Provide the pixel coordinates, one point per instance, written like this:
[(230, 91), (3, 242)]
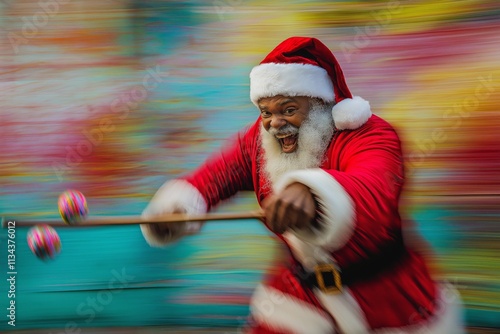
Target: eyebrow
[(288, 100)]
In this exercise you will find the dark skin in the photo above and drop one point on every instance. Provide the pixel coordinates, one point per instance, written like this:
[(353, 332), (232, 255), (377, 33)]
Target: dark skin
[(294, 207)]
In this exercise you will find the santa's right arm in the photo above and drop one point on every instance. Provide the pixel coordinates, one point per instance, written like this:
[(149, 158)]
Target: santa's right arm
[(358, 214), (220, 177)]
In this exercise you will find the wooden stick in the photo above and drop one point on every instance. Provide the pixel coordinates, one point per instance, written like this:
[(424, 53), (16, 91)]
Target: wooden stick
[(129, 220)]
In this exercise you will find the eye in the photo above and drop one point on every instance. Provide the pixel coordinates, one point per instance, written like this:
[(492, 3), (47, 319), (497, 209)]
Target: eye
[(265, 114), (289, 111)]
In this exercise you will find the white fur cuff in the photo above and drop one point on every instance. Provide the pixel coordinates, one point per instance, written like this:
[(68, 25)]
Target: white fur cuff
[(337, 208), (173, 196)]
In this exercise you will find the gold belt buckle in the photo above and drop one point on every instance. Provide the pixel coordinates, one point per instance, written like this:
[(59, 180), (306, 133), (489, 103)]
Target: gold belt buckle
[(328, 269)]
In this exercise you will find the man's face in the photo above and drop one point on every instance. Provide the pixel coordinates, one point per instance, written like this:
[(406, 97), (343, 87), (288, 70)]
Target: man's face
[(285, 147), (282, 117)]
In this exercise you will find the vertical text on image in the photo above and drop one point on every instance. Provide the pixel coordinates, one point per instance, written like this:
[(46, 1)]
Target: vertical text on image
[(11, 272)]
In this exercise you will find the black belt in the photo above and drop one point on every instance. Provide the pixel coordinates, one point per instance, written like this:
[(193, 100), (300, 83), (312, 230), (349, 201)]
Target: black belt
[(329, 278)]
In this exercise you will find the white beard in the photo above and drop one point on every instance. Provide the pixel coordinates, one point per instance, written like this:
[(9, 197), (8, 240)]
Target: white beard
[(315, 134)]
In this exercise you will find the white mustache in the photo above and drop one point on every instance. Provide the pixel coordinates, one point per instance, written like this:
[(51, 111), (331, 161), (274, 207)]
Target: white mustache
[(287, 130)]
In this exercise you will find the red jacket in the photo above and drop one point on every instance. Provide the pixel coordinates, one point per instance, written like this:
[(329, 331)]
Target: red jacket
[(358, 189)]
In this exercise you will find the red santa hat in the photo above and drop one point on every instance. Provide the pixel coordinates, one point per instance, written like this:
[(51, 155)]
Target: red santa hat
[(303, 66)]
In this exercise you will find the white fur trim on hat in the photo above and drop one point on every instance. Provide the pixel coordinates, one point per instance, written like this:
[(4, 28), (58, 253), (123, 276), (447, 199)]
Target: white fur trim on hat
[(337, 216), (173, 196), (350, 114), (293, 79)]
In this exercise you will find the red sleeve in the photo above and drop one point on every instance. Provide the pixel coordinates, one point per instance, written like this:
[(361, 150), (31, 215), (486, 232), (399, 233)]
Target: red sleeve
[(371, 173), (229, 170)]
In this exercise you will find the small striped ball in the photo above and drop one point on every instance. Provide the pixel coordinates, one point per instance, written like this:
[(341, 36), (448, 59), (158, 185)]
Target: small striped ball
[(44, 241), (72, 207)]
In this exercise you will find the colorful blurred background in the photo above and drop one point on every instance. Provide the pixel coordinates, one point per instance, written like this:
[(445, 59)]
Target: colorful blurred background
[(113, 98)]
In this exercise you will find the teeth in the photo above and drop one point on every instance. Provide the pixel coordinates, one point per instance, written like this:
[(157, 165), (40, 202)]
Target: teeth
[(283, 136)]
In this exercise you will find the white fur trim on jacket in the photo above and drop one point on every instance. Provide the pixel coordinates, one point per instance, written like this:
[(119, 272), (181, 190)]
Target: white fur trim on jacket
[(345, 310), (286, 314), (173, 196), (337, 212), (448, 317), (350, 114), (273, 79)]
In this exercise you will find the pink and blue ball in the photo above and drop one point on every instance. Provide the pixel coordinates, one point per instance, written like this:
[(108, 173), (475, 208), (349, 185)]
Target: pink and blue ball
[(44, 241), (72, 207)]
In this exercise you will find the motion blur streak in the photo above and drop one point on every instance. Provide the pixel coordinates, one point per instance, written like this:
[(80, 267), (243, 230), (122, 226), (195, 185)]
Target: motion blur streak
[(114, 97)]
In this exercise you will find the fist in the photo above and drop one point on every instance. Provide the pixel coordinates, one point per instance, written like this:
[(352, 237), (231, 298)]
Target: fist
[(175, 196), (160, 234), (293, 208)]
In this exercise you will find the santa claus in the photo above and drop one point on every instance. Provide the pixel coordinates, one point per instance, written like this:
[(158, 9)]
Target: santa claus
[(328, 175)]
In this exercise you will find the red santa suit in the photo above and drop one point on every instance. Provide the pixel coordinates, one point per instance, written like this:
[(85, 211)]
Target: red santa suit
[(353, 272)]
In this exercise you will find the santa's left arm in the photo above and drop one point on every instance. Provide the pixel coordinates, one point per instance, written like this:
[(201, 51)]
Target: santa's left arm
[(224, 174), (357, 201)]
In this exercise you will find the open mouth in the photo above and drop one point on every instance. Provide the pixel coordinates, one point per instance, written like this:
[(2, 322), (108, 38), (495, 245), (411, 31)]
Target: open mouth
[(288, 142)]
